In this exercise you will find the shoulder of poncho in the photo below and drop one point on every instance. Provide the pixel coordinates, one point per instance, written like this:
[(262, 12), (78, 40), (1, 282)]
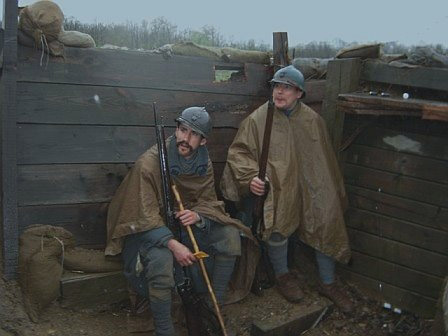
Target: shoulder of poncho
[(148, 158), (258, 114), (309, 111)]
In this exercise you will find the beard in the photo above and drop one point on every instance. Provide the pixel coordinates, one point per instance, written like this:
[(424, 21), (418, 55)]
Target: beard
[(185, 144)]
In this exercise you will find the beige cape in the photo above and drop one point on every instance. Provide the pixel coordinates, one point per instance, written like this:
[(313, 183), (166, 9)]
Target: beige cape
[(137, 207), (307, 191)]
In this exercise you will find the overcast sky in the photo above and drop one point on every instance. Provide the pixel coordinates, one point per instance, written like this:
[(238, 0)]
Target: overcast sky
[(407, 22)]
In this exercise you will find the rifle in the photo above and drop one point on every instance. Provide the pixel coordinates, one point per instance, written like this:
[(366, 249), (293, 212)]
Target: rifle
[(195, 309), (257, 211)]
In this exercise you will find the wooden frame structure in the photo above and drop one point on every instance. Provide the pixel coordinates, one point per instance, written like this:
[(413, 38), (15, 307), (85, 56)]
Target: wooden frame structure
[(394, 154), (74, 127)]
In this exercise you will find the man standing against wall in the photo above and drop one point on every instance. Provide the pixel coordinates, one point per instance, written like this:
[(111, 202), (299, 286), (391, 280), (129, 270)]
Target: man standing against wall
[(306, 193)]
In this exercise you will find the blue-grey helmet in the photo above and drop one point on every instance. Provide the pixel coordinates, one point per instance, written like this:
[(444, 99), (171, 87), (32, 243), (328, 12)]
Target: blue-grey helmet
[(197, 118), (290, 75)]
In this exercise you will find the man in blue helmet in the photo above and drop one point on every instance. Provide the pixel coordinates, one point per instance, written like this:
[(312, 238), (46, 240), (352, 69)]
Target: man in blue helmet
[(136, 226), (306, 194)]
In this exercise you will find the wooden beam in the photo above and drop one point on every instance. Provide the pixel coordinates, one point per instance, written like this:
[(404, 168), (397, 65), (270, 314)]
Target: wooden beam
[(280, 48), (395, 274), (301, 321), (362, 103), (8, 141), (130, 69), (423, 77), (53, 144), (398, 230), (342, 77), (400, 208), (88, 290), (425, 261)]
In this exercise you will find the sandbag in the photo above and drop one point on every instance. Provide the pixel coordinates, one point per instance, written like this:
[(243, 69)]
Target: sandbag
[(73, 38), (311, 68), (427, 57), (41, 18), (42, 277), (362, 51), (41, 249), (193, 49), (80, 259), (245, 56)]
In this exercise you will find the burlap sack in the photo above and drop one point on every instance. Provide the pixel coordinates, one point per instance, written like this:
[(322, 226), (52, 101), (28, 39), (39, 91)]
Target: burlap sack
[(73, 38), (41, 249), (362, 51), (91, 261), (312, 68), (43, 22), (43, 274), (41, 18)]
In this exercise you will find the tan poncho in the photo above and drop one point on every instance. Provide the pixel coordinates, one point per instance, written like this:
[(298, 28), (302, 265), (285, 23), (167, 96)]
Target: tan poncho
[(137, 205), (307, 192)]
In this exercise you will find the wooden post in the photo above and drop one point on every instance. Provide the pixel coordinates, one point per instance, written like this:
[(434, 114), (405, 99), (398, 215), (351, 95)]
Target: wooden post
[(280, 50), (342, 77), (8, 86)]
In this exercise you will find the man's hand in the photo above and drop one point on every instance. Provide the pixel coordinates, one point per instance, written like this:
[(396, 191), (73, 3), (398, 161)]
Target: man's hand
[(257, 186), (181, 253), (187, 217)]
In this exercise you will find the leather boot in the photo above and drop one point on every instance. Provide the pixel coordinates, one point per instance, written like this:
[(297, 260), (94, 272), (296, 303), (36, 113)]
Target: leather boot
[(288, 286), (336, 294)]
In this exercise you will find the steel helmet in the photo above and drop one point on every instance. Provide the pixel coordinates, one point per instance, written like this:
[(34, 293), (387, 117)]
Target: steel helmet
[(290, 75), (197, 118)]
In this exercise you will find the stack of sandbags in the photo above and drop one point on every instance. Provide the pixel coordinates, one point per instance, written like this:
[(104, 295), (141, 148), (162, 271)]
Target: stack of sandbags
[(41, 25)]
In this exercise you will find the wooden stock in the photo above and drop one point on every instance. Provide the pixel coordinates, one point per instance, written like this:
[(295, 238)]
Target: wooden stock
[(200, 255)]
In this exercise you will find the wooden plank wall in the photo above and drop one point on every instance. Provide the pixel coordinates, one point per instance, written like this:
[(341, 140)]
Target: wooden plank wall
[(396, 173), (83, 121)]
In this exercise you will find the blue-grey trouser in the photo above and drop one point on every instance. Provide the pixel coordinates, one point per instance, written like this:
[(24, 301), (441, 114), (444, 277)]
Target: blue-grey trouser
[(156, 261)]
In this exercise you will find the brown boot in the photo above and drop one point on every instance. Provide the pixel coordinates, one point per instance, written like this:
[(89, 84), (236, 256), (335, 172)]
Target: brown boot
[(288, 286), (336, 294)]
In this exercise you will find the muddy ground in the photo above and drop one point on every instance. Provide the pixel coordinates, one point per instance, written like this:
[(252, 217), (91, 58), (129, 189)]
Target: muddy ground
[(369, 317)]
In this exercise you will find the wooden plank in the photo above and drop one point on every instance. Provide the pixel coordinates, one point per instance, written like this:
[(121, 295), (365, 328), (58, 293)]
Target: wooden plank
[(90, 290), (8, 86), (67, 184), (404, 141), (342, 77), (100, 105), (398, 253), (83, 104), (132, 69), (301, 321), (87, 222), (46, 144), (363, 103), (430, 78), (398, 230), (397, 184), (398, 162), (399, 298), (396, 275), (315, 91), (399, 208)]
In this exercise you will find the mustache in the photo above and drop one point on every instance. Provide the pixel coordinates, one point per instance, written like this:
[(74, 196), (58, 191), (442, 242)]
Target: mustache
[(184, 143)]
